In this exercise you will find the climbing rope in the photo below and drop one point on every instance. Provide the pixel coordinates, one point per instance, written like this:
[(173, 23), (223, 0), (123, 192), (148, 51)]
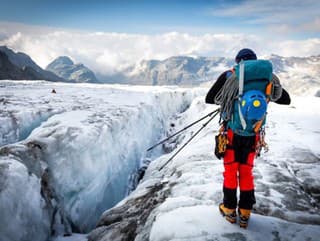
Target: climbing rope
[(226, 96)]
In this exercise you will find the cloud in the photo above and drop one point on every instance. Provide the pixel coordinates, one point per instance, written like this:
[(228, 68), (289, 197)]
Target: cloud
[(106, 52), (298, 48), (289, 16)]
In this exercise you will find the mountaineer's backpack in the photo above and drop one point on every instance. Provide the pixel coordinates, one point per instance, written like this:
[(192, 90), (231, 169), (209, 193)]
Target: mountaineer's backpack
[(249, 107)]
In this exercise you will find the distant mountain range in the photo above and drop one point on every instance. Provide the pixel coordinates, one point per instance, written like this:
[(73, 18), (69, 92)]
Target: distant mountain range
[(64, 67), (178, 70), (19, 66), (297, 74)]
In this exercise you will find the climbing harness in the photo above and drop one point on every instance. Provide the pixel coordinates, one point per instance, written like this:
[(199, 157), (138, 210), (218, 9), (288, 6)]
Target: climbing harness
[(261, 143), (221, 143)]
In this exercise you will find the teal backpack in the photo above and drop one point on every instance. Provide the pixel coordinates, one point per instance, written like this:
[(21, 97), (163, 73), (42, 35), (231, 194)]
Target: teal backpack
[(250, 107)]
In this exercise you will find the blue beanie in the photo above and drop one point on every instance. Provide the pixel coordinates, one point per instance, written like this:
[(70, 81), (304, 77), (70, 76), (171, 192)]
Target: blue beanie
[(245, 54)]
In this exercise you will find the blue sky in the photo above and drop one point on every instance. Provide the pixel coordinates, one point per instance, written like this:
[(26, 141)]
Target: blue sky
[(294, 18), (116, 16), (112, 35)]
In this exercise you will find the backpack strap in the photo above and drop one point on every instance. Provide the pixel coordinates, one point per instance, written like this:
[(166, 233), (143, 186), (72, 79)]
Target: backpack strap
[(229, 73), (241, 83), (259, 123), (241, 77), (269, 91)]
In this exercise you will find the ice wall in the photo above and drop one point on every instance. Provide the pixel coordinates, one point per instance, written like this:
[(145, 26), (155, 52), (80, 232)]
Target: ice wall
[(23, 214), (87, 149)]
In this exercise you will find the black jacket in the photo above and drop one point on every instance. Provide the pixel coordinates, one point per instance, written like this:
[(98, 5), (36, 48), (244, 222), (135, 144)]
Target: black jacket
[(283, 100)]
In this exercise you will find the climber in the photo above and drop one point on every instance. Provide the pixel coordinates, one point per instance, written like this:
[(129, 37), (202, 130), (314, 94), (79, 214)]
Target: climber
[(243, 94)]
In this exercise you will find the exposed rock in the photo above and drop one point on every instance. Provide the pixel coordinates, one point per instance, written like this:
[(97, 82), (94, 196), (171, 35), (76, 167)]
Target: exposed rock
[(125, 221), (19, 66), (11, 71)]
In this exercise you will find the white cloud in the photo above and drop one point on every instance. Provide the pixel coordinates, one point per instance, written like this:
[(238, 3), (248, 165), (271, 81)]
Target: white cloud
[(298, 48), (107, 52), (291, 16)]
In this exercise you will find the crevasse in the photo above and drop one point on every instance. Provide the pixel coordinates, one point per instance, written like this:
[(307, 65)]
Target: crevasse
[(90, 148)]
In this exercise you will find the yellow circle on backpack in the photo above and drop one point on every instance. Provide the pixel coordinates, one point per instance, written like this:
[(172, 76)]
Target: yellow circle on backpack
[(243, 103), (256, 103)]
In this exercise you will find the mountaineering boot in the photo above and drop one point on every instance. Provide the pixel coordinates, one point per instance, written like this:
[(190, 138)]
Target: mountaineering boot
[(229, 214), (244, 215)]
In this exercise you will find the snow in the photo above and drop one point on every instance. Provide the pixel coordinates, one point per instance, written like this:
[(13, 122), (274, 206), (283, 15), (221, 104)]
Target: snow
[(91, 138), (13, 179), (287, 181), (204, 222)]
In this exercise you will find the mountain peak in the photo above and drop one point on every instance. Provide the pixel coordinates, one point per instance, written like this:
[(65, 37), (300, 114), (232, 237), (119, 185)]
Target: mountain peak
[(64, 67), (62, 60)]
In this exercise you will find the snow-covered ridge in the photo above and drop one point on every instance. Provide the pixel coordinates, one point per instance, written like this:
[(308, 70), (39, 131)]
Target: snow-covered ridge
[(176, 70), (77, 163), (299, 75), (64, 67)]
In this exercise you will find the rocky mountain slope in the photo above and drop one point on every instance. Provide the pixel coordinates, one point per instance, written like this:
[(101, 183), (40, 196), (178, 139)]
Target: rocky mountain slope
[(65, 68), (11, 71), (300, 75), (19, 66), (179, 70)]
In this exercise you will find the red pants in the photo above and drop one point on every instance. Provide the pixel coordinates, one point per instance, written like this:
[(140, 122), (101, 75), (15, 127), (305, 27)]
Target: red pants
[(238, 165)]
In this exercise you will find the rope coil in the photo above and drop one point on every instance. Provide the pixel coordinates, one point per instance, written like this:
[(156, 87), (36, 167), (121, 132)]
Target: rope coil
[(226, 96), (229, 93)]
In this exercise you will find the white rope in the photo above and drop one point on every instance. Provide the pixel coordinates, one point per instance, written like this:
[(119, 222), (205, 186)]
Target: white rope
[(241, 84)]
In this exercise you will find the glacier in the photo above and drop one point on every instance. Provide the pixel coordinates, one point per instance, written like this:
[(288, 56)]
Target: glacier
[(84, 143), (70, 167)]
